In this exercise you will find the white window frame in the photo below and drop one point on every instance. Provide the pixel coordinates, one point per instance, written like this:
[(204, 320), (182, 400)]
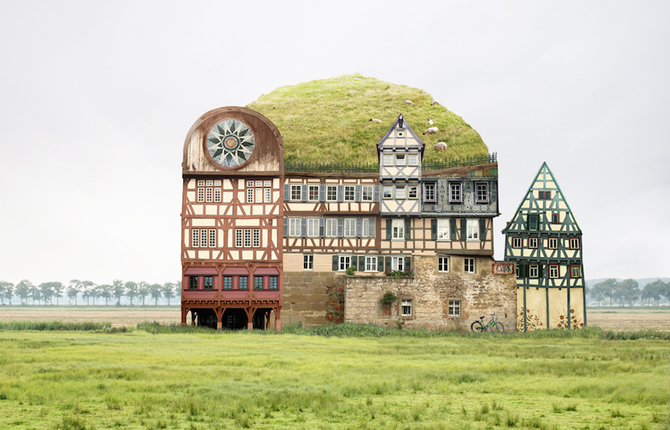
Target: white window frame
[(552, 243), (195, 238), (472, 230), (533, 242), (387, 159), (257, 238), (201, 195), (398, 263), (247, 238), (209, 193), (553, 271), (310, 190), (331, 227), (455, 192), (308, 261), (406, 308), (212, 238), (331, 190), (371, 263), (295, 192), (517, 242), (349, 193), (313, 227), (400, 192), (239, 238), (294, 227), (367, 193), (397, 229), (574, 243), (454, 308), (400, 159), (250, 195), (443, 264), (217, 195), (349, 227), (469, 265), (443, 229), (387, 191), (344, 262), (268, 195), (482, 191), (412, 159), (534, 271)]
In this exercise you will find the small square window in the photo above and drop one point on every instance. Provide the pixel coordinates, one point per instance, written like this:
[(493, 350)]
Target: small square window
[(413, 159), (400, 159), (454, 308), (517, 242), (555, 218), (399, 192), (367, 193), (387, 191), (296, 192), (349, 193), (574, 243), (412, 191), (313, 194), (575, 271), (442, 264), (331, 193), (532, 242), (552, 243), (553, 271), (388, 159), (469, 265)]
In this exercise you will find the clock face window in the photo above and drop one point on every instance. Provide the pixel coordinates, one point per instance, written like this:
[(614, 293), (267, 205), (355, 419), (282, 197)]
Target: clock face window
[(230, 143)]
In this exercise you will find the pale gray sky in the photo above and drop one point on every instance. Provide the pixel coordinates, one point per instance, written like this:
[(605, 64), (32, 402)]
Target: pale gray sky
[(97, 98)]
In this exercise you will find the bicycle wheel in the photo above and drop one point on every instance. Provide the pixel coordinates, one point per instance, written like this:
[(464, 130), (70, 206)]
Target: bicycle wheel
[(497, 327), (477, 327)]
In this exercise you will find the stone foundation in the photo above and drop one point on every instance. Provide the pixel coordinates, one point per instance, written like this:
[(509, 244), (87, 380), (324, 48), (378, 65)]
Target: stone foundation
[(306, 296)]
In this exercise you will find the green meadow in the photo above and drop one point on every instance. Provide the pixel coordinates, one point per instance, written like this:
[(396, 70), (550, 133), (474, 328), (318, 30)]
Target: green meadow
[(68, 378)]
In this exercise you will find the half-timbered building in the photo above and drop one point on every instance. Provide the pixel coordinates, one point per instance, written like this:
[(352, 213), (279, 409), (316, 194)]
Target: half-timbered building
[(232, 212), (544, 240)]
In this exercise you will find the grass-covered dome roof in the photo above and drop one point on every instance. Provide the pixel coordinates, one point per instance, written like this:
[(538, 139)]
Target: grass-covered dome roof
[(328, 120)]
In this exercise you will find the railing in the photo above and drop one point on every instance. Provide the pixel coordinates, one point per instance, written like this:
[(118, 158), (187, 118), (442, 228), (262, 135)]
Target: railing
[(373, 167)]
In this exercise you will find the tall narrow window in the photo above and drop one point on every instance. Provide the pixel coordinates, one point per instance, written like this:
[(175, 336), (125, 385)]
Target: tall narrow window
[(532, 242), (258, 282), (344, 262), (193, 283), (533, 271), (212, 238), (268, 195), (574, 243), (350, 227), (294, 227), (195, 238), (455, 195), (273, 282), (553, 271), (250, 195), (454, 308), (313, 227), (217, 195), (203, 238), (331, 227), (227, 282), (398, 263), (371, 264), (469, 265), (473, 229), (201, 194), (257, 237), (247, 238), (398, 228), (442, 264), (238, 238), (208, 282), (429, 192), (243, 282), (482, 192), (553, 243), (209, 195), (443, 229), (517, 242)]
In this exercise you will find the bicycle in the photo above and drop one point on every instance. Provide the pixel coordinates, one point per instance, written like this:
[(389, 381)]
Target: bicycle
[(492, 326)]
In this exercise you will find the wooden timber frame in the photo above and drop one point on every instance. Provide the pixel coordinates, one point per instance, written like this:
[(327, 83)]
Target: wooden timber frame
[(232, 211)]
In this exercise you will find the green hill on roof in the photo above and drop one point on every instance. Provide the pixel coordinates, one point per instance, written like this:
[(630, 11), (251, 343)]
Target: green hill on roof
[(328, 120)]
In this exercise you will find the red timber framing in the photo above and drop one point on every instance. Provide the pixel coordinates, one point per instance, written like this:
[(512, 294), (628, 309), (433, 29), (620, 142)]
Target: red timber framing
[(232, 212)]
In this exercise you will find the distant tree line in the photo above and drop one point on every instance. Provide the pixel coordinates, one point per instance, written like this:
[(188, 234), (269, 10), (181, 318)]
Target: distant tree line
[(46, 292), (627, 292)]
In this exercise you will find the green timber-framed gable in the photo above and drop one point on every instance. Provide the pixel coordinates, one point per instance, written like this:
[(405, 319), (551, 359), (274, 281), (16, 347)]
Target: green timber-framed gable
[(544, 240)]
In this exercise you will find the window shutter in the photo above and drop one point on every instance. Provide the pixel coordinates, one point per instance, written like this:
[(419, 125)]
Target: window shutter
[(322, 193), (433, 229), (464, 229), (375, 194), (335, 262), (540, 269), (408, 263), (452, 228), (303, 192), (287, 192), (408, 228), (526, 270), (371, 227), (354, 262), (482, 229), (361, 263), (389, 229), (285, 227), (340, 227), (322, 227), (380, 264), (340, 193), (387, 263), (359, 227), (357, 193), (303, 227)]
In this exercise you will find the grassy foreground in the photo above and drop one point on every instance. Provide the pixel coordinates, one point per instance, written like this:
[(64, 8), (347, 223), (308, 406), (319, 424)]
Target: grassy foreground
[(201, 380)]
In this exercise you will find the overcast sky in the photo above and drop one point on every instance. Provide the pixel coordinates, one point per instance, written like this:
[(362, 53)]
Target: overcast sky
[(96, 99)]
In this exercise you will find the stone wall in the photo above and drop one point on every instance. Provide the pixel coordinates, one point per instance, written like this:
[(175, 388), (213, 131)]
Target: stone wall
[(305, 296), (481, 294)]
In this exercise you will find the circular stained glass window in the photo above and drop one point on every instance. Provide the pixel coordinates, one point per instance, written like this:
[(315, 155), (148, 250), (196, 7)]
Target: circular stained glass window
[(230, 143)]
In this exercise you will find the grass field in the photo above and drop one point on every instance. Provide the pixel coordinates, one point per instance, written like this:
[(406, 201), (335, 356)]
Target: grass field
[(77, 380)]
